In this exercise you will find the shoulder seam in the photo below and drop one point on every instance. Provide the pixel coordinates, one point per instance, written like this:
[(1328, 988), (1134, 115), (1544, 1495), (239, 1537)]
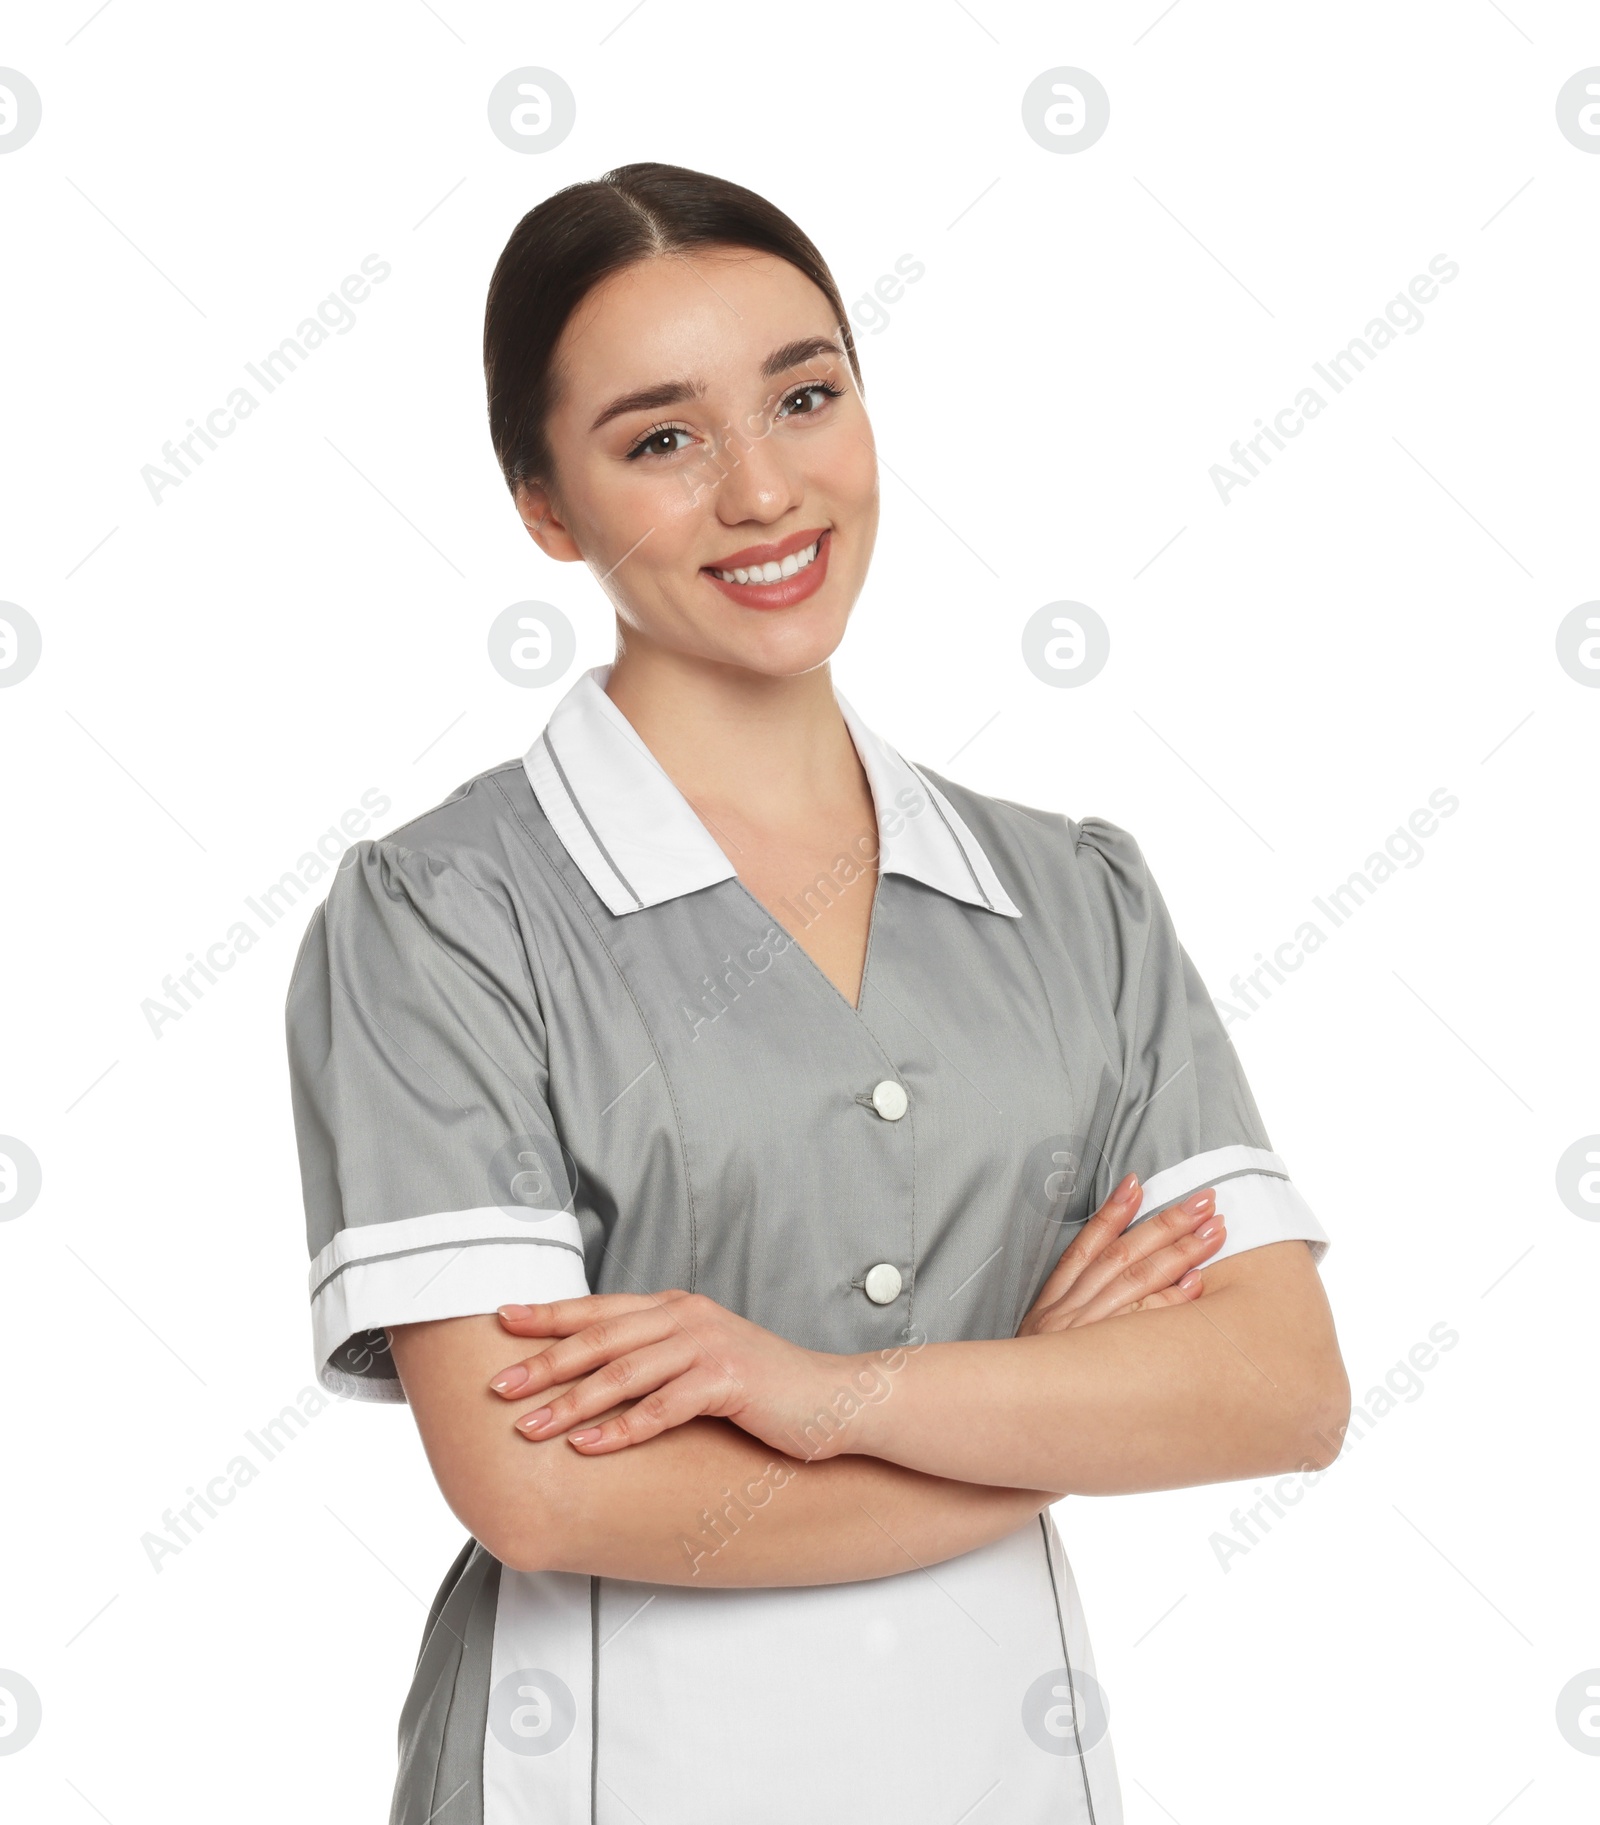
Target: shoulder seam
[(461, 791), (457, 967), (501, 914), (1080, 826)]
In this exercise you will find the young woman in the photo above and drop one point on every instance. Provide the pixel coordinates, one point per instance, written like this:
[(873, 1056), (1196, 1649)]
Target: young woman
[(701, 1119)]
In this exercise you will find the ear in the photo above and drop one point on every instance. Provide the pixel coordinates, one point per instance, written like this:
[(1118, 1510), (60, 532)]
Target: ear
[(542, 517)]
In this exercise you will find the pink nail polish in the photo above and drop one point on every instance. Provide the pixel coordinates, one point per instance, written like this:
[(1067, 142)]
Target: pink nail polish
[(531, 1422), (1207, 1230), (586, 1437)]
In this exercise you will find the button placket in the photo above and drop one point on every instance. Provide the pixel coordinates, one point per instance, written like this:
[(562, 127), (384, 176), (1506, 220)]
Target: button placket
[(888, 1099)]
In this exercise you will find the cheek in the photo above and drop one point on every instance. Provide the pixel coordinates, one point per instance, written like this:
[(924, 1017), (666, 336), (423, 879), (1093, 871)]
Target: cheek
[(649, 516), (848, 471)]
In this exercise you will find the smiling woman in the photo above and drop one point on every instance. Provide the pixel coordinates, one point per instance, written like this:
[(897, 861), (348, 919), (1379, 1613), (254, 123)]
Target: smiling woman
[(739, 403), (891, 1253)]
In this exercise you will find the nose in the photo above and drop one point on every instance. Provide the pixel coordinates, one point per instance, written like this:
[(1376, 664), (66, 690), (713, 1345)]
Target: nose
[(757, 479)]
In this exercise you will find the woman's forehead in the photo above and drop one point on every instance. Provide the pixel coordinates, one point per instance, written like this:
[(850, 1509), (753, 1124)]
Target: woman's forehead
[(708, 316)]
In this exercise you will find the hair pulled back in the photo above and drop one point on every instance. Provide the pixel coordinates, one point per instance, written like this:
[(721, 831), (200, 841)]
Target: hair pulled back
[(566, 245)]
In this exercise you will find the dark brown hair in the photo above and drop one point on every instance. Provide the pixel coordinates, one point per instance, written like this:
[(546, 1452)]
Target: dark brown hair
[(565, 246)]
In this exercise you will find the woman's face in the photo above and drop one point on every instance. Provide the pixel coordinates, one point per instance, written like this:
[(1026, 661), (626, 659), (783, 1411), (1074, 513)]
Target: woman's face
[(708, 421)]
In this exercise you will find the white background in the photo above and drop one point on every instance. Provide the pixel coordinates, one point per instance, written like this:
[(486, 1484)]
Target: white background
[(304, 618)]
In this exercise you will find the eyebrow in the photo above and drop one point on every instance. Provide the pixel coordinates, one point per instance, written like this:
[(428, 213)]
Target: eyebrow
[(673, 392)]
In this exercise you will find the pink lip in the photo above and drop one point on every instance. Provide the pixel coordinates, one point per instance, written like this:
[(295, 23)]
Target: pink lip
[(771, 553), (787, 590)]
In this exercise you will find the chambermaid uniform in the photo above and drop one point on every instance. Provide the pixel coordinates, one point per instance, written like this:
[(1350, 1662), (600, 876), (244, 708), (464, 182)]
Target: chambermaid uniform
[(544, 1042)]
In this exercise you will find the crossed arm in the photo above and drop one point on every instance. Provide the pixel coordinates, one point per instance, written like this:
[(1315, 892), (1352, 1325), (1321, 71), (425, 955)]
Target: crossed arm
[(762, 1476), (703, 1503)]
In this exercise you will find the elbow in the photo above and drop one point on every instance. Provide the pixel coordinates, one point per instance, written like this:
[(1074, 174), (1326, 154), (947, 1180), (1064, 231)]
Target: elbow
[(515, 1521), (528, 1538), (1323, 1416), (516, 1548)]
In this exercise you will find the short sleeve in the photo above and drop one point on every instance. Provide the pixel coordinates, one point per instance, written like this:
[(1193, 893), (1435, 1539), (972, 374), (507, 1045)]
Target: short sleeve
[(1185, 1117), (434, 1179)]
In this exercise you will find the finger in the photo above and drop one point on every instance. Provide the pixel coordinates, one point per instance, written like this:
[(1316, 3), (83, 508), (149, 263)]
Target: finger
[(1117, 1254), (597, 1343), (1142, 1242), (1156, 1273), (1107, 1222), (684, 1399), (1188, 1288), (557, 1316), (632, 1377)]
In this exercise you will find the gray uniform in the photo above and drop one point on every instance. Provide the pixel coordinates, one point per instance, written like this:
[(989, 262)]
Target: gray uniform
[(544, 1042)]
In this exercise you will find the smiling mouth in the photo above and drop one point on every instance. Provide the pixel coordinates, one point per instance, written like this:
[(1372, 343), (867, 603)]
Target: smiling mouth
[(774, 572)]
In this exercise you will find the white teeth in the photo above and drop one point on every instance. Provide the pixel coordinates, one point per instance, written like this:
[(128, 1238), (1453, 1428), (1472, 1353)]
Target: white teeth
[(771, 573)]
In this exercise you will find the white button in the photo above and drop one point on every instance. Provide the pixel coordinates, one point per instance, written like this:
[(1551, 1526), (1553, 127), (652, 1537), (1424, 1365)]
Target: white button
[(882, 1283), (891, 1102)]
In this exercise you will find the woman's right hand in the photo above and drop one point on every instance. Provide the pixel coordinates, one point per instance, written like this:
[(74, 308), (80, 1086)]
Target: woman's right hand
[(1104, 1273)]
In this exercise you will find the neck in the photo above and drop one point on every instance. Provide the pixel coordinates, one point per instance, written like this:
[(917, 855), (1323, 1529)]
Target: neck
[(775, 748)]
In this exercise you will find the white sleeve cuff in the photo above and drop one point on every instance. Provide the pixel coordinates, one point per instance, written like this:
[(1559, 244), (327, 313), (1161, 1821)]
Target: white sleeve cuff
[(450, 1265), (1254, 1195)]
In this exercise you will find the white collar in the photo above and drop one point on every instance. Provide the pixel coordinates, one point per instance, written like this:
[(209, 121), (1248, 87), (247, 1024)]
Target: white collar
[(638, 840)]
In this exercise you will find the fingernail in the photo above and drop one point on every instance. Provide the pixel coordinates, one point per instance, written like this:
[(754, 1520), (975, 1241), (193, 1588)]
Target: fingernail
[(510, 1380), (1192, 1278), (1130, 1189), (1207, 1230), (513, 1312), (586, 1437), (531, 1422), (1200, 1201)]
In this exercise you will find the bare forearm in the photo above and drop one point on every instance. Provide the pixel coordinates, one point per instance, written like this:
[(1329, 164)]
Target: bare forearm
[(703, 1503), (1242, 1383), (706, 1504)]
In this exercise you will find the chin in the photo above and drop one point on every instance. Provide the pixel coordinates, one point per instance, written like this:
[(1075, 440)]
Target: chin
[(787, 650)]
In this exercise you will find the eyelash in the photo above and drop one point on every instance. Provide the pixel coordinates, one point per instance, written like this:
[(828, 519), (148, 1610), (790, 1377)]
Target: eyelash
[(811, 386)]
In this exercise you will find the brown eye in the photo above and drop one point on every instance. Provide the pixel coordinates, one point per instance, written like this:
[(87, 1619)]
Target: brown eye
[(816, 386), (652, 441)]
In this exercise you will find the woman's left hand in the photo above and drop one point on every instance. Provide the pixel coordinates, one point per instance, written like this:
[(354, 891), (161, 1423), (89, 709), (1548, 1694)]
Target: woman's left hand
[(675, 1356), (1110, 1269)]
